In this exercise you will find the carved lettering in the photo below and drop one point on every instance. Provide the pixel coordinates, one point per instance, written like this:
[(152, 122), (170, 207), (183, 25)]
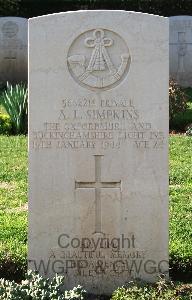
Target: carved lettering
[(99, 128)]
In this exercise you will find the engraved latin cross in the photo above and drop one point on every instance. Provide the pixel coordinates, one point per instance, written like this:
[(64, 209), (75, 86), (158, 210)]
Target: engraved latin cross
[(97, 185)]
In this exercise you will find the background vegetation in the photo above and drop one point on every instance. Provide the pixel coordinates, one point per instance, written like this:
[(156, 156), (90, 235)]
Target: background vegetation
[(14, 109), (14, 99), (32, 8), (182, 119), (161, 290), (180, 160), (13, 199)]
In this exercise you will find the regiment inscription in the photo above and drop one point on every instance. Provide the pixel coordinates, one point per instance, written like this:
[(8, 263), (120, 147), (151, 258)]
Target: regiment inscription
[(80, 124)]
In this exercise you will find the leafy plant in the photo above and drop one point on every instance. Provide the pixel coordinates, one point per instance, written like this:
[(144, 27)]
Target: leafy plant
[(177, 100), (5, 124), (189, 130), (38, 288), (14, 100), (162, 290)]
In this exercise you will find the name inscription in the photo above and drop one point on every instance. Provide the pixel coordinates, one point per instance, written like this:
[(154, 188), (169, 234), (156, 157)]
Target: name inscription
[(97, 124)]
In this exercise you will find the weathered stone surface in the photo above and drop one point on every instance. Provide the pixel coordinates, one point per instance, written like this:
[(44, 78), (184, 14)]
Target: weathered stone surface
[(13, 49), (181, 49), (98, 131)]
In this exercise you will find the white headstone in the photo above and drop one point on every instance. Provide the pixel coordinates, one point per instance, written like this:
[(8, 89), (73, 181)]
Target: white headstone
[(98, 140), (181, 49), (13, 49)]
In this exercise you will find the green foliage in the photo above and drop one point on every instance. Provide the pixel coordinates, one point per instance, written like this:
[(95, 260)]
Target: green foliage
[(180, 209), (14, 99), (10, 7), (5, 124), (2, 85), (189, 130), (32, 8), (2, 110), (182, 120), (38, 288), (162, 290), (13, 209), (177, 100), (13, 248)]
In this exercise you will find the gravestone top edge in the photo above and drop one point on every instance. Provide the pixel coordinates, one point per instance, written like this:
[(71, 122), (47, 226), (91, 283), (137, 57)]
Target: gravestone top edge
[(98, 11)]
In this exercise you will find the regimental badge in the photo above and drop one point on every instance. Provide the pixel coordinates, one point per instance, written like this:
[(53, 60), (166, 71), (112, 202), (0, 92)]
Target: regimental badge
[(99, 59)]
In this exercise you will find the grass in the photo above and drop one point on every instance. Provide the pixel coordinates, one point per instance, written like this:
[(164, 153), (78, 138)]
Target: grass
[(13, 196), (13, 199), (181, 206)]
